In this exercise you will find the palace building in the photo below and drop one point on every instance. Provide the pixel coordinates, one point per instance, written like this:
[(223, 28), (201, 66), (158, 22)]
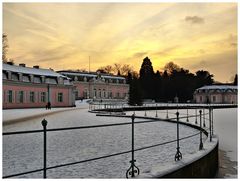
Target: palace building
[(29, 87), (220, 94), (98, 86)]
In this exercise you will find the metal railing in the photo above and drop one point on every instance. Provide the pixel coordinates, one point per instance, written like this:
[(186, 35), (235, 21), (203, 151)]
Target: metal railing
[(133, 170)]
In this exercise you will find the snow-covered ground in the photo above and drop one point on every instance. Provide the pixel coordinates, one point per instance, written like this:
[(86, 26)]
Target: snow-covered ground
[(24, 152), (17, 114)]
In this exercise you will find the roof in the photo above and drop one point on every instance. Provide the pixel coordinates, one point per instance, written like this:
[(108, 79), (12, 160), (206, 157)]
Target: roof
[(29, 70), (219, 87), (91, 74)]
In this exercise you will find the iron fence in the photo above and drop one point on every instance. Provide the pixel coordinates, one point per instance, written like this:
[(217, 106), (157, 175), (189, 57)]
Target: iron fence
[(133, 170)]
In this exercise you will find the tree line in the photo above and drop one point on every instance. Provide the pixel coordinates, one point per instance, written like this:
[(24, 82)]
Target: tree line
[(173, 82)]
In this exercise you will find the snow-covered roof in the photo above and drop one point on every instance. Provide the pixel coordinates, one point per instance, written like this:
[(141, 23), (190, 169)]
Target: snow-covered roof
[(29, 70), (219, 87), (90, 75)]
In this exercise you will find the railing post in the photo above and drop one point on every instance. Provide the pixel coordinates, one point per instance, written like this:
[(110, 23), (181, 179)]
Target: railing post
[(212, 121), (132, 171), (145, 110), (201, 143), (178, 155), (167, 112), (187, 115), (204, 125), (210, 124), (44, 124), (156, 112), (196, 116)]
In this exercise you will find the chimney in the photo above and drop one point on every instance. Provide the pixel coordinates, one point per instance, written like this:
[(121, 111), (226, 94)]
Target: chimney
[(22, 65), (10, 63), (36, 66)]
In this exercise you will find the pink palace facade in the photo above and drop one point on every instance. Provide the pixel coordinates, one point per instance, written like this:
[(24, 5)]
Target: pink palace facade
[(98, 86), (216, 94), (25, 87)]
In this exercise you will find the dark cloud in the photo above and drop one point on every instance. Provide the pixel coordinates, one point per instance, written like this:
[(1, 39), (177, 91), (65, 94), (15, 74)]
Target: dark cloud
[(139, 54), (194, 19)]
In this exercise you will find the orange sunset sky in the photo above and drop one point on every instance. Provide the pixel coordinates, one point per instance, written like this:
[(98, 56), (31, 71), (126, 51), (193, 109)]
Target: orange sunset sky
[(63, 35)]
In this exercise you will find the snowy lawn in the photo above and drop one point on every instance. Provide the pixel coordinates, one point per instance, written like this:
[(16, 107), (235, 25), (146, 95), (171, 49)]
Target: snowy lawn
[(24, 152)]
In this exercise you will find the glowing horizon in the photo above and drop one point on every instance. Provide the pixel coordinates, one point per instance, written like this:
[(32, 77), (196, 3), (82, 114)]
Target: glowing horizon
[(63, 35)]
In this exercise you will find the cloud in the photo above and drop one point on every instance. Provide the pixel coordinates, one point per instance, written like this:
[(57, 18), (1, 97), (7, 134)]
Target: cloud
[(194, 19), (139, 54), (167, 51), (233, 44)]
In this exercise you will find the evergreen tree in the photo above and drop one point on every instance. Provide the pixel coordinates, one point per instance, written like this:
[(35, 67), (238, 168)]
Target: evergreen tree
[(235, 82), (147, 79), (135, 97)]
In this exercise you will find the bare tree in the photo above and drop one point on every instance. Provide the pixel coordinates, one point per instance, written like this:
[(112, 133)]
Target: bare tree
[(116, 69), (4, 47), (170, 67)]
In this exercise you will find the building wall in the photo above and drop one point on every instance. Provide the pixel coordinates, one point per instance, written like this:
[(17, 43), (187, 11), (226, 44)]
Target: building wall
[(116, 91), (225, 98), (15, 87)]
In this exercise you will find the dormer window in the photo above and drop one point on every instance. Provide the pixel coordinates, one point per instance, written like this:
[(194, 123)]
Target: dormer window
[(4, 75), (26, 78), (15, 77)]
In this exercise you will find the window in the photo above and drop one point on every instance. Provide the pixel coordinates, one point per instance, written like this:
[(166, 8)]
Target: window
[(104, 93), (99, 92), (60, 97), (32, 95), (26, 78), (43, 96), (15, 77), (10, 96), (110, 94), (85, 93), (20, 96), (76, 94), (95, 93), (51, 81), (117, 94), (214, 98), (37, 80), (200, 98), (4, 75)]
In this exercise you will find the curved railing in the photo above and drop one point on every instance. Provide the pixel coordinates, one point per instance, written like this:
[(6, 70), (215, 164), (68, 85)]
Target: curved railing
[(132, 170)]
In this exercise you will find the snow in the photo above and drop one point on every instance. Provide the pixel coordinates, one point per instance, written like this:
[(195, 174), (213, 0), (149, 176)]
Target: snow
[(158, 171), (24, 152), (12, 115), (225, 126), (28, 70), (90, 75), (220, 87)]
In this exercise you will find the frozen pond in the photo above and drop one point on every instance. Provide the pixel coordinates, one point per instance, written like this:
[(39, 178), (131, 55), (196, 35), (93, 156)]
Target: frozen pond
[(24, 152)]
